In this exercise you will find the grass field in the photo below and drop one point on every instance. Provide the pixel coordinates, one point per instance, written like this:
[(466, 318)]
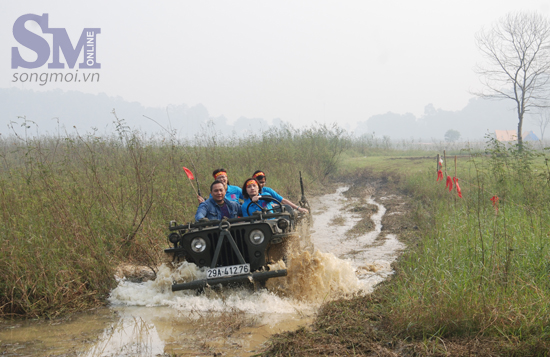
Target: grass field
[(475, 280)]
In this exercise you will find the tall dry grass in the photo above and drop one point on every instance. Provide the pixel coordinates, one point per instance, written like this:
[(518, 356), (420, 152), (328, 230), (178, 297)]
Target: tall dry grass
[(73, 206)]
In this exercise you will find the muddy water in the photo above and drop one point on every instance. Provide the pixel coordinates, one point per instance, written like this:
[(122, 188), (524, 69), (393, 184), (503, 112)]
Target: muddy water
[(370, 254), (148, 319)]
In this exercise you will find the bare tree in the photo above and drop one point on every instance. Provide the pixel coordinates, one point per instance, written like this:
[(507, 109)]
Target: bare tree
[(517, 67)]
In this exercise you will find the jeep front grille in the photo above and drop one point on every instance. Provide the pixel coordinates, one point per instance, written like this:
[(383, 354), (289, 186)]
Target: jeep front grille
[(227, 255)]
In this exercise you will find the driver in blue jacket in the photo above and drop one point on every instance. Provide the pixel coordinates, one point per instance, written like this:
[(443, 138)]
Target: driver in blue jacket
[(253, 201), (218, 206)]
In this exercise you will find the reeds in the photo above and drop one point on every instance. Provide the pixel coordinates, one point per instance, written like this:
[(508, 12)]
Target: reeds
[(73, 206)]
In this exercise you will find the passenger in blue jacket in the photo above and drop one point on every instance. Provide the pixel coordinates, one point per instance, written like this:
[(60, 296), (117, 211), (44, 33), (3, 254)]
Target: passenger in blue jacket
[(261, 178), (218, 206), (233, 193), (253, 201)]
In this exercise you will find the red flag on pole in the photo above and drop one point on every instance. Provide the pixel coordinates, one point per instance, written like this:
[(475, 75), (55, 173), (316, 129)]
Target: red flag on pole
[(455, 180), (188, 173), (494, 199), (449, 183)]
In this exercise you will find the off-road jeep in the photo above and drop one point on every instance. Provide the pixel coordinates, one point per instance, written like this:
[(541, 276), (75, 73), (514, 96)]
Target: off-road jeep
[(235, 250)]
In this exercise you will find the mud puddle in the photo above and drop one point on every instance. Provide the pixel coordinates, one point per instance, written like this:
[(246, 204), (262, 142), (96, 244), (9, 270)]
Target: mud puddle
[(148, 319), (370, 254)]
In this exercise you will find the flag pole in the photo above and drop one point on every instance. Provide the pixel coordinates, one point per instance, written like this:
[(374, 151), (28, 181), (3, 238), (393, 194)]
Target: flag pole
[(190, 176)]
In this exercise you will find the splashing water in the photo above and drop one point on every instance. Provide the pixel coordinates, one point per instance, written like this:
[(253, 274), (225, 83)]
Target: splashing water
[(311, 278), (315, 278), (353, 266)]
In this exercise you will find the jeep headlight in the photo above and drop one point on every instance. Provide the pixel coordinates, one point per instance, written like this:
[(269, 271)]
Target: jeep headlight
[(282, 224), (257, 236), (198, 245), (174, 237)]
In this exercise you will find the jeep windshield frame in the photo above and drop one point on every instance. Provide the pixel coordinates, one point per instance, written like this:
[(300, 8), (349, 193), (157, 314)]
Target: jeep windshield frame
[(253, 218)]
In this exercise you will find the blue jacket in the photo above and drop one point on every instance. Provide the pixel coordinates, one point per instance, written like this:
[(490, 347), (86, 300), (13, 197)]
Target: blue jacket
[(211, 210), (254, 207), (272, 193)]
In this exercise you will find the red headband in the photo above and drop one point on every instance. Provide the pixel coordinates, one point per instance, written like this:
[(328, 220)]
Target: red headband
[(220, 173), (251, 182), (258, 174)]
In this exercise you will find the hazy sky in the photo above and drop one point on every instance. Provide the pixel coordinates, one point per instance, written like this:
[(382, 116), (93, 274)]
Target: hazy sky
[(301, 61)]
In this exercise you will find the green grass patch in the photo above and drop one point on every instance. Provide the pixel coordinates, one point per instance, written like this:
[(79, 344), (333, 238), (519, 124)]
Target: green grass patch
[(476, 282), (481, 269)]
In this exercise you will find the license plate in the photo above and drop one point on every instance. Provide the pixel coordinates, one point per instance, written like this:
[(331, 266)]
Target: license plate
[(227, 271)]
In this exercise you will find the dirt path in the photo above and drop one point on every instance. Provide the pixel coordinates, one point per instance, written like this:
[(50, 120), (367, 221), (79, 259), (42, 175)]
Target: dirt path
[(348, 224)]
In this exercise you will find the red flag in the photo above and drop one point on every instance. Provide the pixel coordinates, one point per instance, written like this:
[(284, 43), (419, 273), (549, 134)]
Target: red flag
[(455, 179), (494, 199), (439, 175), (449, 183), (188, 173)]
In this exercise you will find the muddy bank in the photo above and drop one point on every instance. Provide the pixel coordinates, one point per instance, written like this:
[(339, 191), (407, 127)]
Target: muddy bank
[(353, 326)]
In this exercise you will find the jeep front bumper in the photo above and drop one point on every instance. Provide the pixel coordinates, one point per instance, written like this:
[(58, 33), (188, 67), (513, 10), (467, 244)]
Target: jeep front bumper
[(203, 283)]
